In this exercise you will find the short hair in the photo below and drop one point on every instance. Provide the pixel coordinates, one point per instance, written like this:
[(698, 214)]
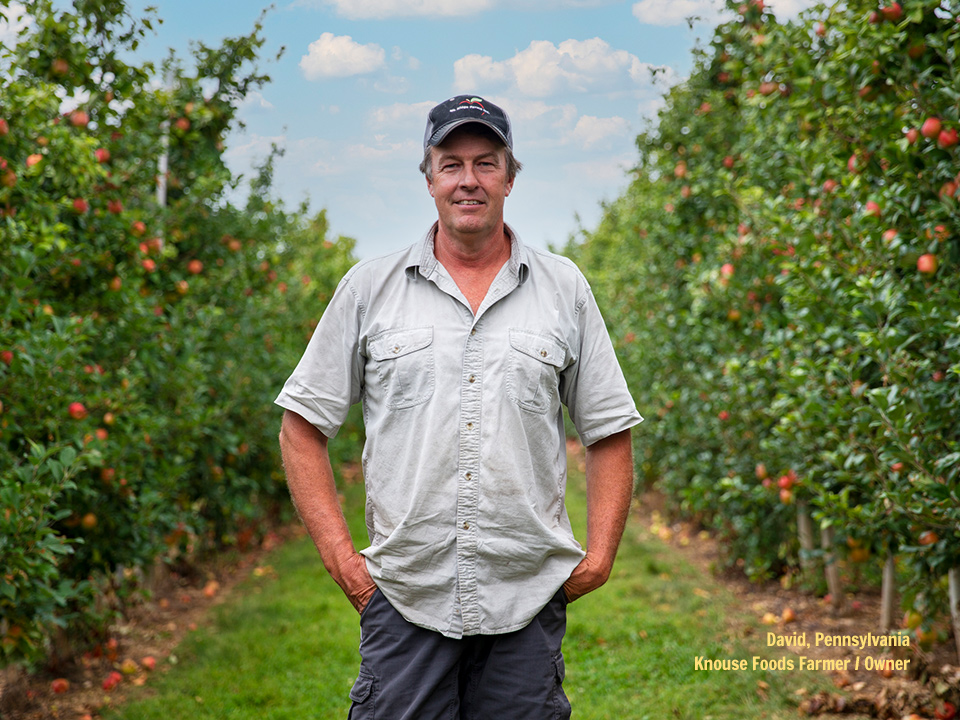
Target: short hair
[(478, 130)]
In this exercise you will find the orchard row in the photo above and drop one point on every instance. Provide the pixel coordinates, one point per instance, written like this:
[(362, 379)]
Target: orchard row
[(782, 282), (141, 343)]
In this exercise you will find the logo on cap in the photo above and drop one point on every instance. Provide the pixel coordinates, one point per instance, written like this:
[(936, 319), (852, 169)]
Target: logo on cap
[(469, 103)]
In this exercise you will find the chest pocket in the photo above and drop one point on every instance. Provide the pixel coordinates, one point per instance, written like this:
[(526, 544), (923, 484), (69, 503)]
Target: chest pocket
[(535, 363), (404, 364)]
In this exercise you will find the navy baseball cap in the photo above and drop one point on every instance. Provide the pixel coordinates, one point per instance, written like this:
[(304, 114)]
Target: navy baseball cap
[(463, 109)]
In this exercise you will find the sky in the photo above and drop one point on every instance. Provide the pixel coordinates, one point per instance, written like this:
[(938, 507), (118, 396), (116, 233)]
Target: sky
[(349, 97)]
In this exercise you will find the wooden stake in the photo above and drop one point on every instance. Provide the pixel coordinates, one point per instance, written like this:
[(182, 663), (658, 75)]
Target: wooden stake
[(888, 596)]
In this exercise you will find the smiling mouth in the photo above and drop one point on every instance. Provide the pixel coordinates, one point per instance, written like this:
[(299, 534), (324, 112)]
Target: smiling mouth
[(468, 202)]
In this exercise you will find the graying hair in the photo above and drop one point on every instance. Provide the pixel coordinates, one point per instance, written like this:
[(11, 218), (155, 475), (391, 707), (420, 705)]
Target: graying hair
[(513, 165)]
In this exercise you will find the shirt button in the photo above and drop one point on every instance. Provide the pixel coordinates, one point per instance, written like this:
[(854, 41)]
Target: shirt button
[(473, 378), (543, 353), (466, 526), (469, 475), (470, 426), (473, 331), (396, 348)]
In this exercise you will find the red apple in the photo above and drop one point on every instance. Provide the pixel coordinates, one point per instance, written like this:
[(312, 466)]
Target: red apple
[(786, 496), (112, 680), (872, 209), (916, 51), (149, 265), (897, 466), (829, 185), (931, 128), (889, 235), (60, 685), (103, 155), (821, 29), (77, 411), (945, 710), (728, 162), (59, 66), (195, 267), (785, 482), (149, 662), (116, 284), (6, 356), (4, 127), (89, 521), (81, 206), (726, 270), (927, 263), (929, 537), (183, 124), (78, 118), (912, 135), (947, 139), (9, 179), (115, 206), (138, 228), (892, 12), (34, 159)]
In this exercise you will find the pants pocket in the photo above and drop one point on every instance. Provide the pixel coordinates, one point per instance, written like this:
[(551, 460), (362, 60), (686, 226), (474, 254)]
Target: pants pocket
[(364, 697), (561, 702)]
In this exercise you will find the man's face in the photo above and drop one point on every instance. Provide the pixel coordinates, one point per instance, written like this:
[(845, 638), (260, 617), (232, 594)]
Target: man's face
[(469, 184)]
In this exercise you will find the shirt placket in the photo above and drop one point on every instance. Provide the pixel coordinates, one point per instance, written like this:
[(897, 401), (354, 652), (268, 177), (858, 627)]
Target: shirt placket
[(468, 481)]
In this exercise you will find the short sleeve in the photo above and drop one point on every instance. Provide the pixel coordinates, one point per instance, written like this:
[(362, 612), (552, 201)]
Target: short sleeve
[(593, 388), (328, 378)]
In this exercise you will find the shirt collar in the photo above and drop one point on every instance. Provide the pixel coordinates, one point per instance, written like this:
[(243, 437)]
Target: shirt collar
[(422, 258)]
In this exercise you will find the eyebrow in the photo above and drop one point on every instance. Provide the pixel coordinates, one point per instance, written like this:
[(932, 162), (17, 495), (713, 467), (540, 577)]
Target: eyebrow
[(447, 155)]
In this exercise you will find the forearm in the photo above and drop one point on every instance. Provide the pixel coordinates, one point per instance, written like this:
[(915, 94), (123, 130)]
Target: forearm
[(609, 493), (609, 465), (314, 493)]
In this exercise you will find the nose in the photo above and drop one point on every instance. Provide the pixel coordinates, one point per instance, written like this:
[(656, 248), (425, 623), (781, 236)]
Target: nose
[(468, 178)]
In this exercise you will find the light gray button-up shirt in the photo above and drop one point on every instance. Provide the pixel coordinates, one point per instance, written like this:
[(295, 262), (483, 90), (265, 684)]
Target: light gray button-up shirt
[(465, 454)]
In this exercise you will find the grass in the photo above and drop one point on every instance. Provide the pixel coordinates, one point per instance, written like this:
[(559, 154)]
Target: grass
[(284, 645)]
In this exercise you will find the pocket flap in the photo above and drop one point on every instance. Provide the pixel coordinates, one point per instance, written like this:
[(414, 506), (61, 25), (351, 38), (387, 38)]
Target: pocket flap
[(559, 666), (542, 348), (361, 688), (397, 343)]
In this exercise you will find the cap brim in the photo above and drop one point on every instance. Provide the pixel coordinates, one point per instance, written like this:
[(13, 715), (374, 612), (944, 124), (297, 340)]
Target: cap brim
[(440, 134)]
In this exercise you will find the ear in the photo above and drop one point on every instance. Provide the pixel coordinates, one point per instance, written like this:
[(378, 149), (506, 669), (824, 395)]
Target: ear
[(429, 186), (509, 187)]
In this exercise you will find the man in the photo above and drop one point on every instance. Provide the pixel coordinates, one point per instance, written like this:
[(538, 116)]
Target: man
[(462, 348)]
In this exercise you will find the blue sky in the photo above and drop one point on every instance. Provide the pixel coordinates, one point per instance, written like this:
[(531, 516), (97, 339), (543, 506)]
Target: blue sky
[(349, 97)]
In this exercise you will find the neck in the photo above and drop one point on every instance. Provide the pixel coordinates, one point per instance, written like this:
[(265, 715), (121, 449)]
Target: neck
[(472, 254)]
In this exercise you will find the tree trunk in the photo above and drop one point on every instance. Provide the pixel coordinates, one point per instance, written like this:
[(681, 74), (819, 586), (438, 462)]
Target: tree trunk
[(954, 582), (805, 533), (888, 596), (837, 599)]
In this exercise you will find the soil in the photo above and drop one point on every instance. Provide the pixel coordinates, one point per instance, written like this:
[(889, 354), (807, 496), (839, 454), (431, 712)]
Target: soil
[(182, 602), (930, 679)]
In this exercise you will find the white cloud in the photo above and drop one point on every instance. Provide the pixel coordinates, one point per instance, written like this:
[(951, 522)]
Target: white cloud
[(789, 9), (401, 114), (591, 131), (339, 56), (255, 101), (380, 9), (15, 19), (711, 12), (544, 69), (676, 12)]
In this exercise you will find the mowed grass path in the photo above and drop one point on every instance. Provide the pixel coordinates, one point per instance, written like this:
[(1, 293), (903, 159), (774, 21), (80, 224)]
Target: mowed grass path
[(284, 645)]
